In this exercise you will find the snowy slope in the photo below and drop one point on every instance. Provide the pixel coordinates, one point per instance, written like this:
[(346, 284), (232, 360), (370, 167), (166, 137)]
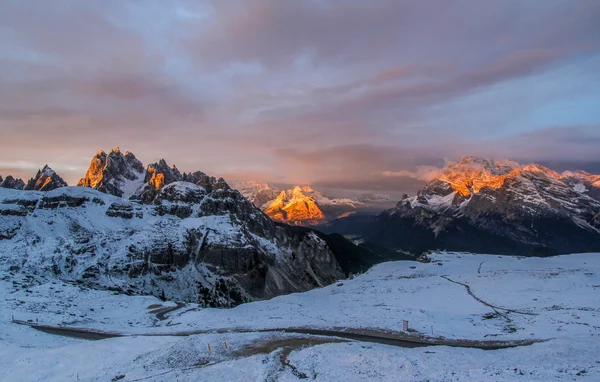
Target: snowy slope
[(555, 299), (189, 245)]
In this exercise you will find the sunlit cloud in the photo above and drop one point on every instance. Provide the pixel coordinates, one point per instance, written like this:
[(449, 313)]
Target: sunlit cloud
[(342, 94)]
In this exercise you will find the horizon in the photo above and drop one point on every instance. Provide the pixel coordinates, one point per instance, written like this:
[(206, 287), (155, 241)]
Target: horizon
[(421, 177), (362, 101)]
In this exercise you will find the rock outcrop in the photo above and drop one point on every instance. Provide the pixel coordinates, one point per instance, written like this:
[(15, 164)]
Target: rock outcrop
[(114, 173), (45, 180), (12, 183)]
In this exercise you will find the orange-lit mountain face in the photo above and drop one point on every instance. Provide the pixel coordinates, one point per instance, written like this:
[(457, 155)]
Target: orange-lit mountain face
[(114, 173), (303, 205), (294, 207), (490, 206), (471, 174), (45, 180)]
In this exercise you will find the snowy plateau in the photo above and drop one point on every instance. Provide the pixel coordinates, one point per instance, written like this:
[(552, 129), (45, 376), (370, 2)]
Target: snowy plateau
[(470, 318)]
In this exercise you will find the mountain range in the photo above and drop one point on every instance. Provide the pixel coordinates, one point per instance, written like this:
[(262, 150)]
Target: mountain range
[(190, 236), (155, 230), (488, 206), (302, 205)]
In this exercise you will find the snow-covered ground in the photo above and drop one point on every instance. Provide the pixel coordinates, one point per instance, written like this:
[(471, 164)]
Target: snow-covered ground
[(556, 299)]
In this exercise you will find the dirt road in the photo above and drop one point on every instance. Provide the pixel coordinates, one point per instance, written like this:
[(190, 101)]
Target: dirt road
[(374, 336)]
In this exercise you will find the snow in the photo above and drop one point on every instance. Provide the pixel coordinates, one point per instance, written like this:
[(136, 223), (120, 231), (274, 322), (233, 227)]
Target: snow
[(557, 299), (129, 187), (580, 188), (185, 187), (95, 239)]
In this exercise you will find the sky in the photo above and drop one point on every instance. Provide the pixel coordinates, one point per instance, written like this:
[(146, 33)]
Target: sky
[(347, 95)]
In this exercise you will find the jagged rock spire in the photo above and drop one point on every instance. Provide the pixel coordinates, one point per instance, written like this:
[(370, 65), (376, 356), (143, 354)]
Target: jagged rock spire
[(45, 180), (11, 182), (114, 173)]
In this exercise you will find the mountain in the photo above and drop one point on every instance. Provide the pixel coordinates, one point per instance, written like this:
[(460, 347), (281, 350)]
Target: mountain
[(114, 173), (10, 182), (45, 180), (482, 205), (259, 194), (303, 205), (180, 236), (294, 207), (157, 175), (583, 182)]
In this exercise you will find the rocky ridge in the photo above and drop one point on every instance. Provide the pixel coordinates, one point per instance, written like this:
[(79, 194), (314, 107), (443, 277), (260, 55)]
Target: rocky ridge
[(182, 236), (45, 180), (12, 183), (488, 206), (114, 173)]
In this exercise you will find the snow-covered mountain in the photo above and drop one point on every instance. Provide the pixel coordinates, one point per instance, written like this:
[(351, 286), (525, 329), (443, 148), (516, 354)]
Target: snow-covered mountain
[(183, 236), (302, 205), (295, 207), (45, 180), (482, 205), (114, 173)]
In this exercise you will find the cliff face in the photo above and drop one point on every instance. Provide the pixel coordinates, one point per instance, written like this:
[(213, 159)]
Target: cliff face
[(114, 173)]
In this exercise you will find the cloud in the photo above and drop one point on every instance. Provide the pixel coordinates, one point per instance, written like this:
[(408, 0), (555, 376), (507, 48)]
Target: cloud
[(424, 173), (334, 92)]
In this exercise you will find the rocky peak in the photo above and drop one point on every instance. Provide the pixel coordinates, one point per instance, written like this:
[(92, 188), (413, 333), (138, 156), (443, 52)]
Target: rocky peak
[(11, 182), (469, 175), (295, 207), (114, 173), (221, 185), (297, 192), (160, 174), (273, 202), (45, 180), (201, 179)]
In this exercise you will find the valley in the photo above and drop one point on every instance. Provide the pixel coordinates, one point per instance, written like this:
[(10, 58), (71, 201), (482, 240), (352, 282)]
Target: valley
[(552, 300)]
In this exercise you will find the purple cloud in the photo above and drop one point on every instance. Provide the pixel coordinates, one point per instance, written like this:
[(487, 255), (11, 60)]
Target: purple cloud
[(336, 93)]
